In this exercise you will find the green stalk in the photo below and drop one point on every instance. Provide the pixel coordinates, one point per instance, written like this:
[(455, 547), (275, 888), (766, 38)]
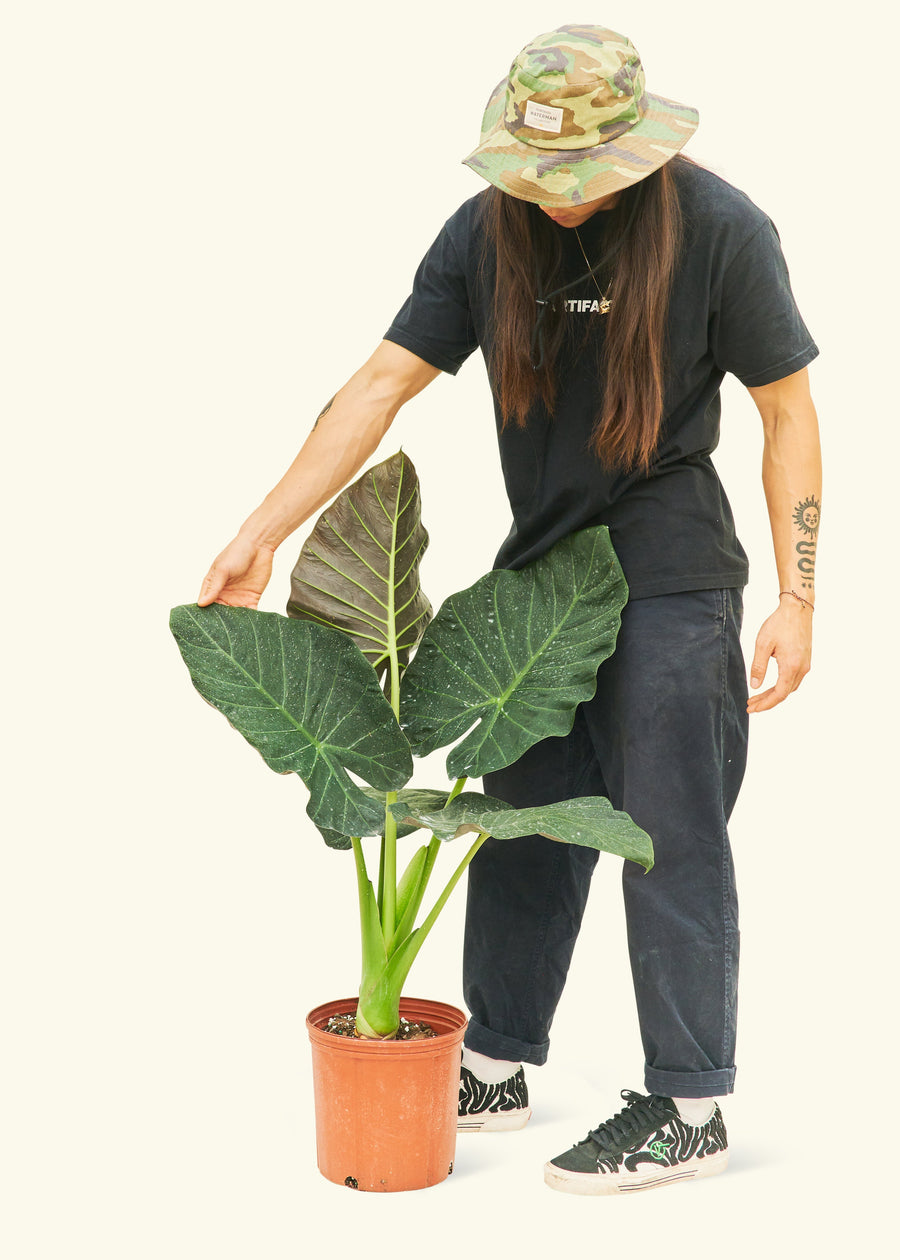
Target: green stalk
[(374, 954), (456, 789), (382, 984), (378, 998), (434, 849), (381, 877), (402, 960), (404, 928), (362, 875), (380, 994), (387, 901), (428, 923), (388, 904)]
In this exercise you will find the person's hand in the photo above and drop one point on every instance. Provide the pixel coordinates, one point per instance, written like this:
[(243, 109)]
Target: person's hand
[(786, 636), (239, 575)]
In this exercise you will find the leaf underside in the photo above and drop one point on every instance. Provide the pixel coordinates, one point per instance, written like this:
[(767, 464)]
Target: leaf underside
[(307, 701), (362, 560), (514, 655), (589, 821)]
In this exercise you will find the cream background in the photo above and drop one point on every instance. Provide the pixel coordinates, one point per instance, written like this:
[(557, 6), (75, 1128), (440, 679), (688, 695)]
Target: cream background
[(212, 211)]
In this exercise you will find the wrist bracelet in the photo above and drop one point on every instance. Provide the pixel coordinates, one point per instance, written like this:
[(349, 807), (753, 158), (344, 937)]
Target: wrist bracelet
[(807, 603)]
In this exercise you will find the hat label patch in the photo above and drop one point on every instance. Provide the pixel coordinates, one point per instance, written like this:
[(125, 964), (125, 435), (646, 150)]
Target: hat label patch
[(543, 117)]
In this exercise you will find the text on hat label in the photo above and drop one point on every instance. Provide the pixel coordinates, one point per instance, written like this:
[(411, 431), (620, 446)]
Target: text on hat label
[(543, 117)]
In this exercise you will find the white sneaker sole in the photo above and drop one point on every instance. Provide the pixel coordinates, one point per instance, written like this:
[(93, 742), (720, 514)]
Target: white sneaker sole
[(494, 1121), (628, 1182)]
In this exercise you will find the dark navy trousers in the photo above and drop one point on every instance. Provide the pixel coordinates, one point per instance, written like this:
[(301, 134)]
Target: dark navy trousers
[(665, 738)]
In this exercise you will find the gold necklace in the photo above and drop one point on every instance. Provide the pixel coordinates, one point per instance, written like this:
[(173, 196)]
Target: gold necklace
[(605, 303)]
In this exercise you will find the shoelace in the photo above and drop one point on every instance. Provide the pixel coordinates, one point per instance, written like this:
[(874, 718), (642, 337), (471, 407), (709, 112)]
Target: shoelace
[(640, 1110)]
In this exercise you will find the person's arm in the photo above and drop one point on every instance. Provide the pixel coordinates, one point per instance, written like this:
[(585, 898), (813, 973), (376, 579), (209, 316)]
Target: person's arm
[(792, 480), (346, 433)]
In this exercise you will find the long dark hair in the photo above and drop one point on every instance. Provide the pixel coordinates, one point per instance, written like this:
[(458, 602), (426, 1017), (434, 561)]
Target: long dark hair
[(645, 230)]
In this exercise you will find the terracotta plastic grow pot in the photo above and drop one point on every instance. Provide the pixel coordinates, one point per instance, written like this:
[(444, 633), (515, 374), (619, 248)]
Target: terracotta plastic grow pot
[(386, 1110)]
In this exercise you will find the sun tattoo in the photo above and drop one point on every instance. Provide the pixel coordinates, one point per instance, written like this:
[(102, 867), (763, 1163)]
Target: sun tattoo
[(806, 516)]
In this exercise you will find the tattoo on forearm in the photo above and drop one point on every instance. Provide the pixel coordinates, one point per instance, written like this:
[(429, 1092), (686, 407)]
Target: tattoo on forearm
[(324, 412), (806, 518)]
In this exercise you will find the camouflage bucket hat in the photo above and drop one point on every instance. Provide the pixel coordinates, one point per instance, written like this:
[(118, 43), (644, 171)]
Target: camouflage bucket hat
[(572, 122)]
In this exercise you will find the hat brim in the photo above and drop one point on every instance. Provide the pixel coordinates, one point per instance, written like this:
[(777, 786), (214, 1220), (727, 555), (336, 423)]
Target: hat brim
[(566, 177)]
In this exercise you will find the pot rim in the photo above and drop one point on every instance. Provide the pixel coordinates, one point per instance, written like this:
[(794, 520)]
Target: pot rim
[(410, 1007)]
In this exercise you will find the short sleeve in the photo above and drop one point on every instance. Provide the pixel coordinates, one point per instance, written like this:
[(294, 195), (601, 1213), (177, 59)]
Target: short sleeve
[(756, 330), (435, 321)]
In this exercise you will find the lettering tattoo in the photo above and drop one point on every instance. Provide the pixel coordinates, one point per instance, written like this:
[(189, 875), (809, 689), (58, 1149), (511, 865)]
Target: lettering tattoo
[(806, 519), (324, 412)]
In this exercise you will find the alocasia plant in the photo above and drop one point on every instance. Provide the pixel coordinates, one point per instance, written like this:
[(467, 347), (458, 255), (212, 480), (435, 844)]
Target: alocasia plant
[(502, 665)]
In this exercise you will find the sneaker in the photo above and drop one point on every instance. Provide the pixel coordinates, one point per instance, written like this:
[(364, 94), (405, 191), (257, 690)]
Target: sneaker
[(490, 1108), (646, 1144)]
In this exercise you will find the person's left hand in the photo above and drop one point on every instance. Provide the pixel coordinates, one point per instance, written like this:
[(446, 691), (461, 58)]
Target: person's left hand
[(786, 636)]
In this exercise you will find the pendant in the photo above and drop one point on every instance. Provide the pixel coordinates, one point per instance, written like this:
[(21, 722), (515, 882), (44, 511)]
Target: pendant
[(605, 304)]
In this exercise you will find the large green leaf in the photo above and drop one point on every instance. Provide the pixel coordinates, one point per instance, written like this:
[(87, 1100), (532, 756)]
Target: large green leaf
[(359, 569), (514, 655), (589, 821), (334, 839), (416, 797), (306, 699)]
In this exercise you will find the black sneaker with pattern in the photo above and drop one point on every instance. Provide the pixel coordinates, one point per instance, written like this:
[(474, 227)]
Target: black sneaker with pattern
[(485, 1108), (645, 1145)]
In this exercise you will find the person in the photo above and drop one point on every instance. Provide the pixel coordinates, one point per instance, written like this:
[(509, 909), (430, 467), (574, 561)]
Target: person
[(610, 284)]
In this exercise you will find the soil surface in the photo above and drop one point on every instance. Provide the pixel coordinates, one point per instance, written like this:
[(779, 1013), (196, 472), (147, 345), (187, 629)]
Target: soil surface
[(345, 1026)]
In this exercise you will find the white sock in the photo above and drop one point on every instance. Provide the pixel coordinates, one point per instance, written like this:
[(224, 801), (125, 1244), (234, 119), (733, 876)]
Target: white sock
[(695, 1111), (491, 1071)]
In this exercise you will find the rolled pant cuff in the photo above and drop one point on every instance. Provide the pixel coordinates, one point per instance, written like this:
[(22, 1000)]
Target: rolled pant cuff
[(689, 1084), (497, 1046)]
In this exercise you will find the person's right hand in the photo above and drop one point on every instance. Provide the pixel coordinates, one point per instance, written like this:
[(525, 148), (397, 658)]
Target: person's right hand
[(238, 576)]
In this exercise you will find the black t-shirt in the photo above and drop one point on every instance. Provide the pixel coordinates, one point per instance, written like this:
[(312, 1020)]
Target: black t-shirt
[(731, 310)]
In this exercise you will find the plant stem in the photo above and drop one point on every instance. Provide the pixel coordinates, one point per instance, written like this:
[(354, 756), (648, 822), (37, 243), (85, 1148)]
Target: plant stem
[(435, 844), (377, 1014), (388, 906), (380, 900), (388, 889), (398, 966), (428, 923), (391, 611), (380, 992), (456, 789), (434, 848), (362, 873)]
